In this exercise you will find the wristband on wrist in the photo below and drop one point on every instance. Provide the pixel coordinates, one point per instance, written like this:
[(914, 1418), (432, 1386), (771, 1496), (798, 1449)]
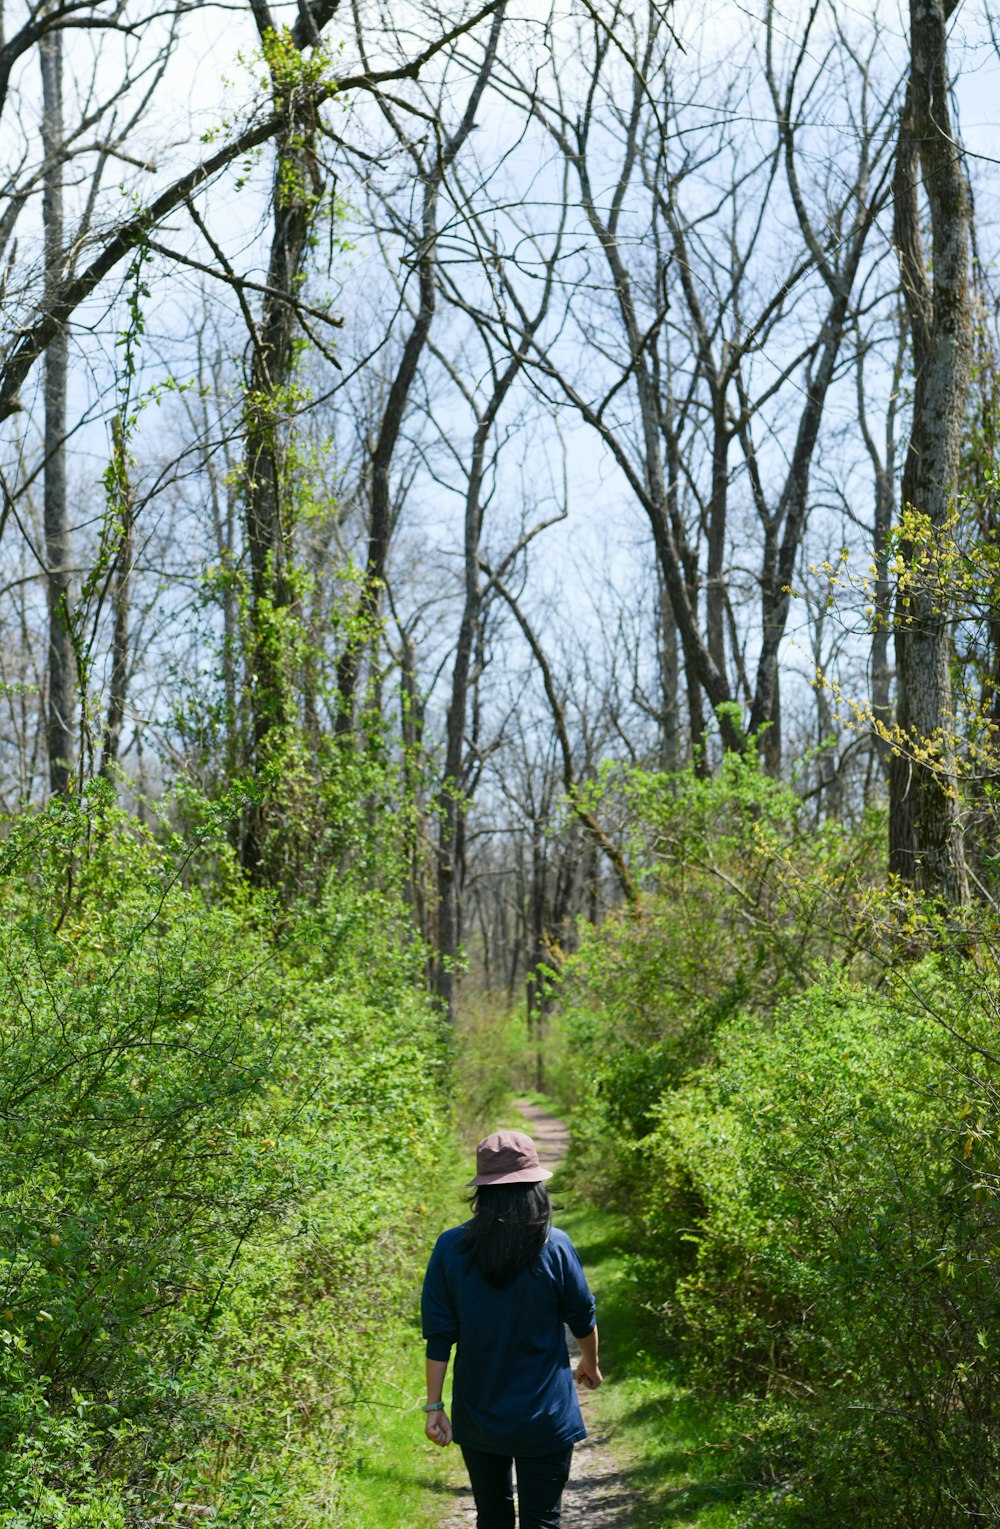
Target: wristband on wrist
[(433, 1407)]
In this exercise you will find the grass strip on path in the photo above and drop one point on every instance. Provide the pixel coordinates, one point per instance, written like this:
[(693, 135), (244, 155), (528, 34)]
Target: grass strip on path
[(671, 1445), (397, 1478)]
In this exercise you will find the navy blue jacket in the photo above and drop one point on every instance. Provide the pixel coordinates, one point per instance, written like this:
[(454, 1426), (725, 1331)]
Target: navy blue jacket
[(513, 1387)]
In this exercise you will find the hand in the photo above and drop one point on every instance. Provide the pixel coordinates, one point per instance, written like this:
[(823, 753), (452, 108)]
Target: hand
[(588, 1374), (437, 1428)]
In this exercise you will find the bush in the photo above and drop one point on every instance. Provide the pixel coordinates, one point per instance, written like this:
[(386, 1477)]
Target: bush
[(787, 1079), (493, 1059), (844, 1244), (210, 1115), (745, 903)]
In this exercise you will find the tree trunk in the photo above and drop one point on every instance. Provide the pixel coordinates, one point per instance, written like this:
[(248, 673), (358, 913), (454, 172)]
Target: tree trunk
[(882, 669), (884, 470), (669, 709), (414, 766), (829, 781), (535, 999), (715, 592), (925, 841), (766, 712), (121, 599), (451, 798), (684, 628), (298, 186), (790, 515), (61, 705)]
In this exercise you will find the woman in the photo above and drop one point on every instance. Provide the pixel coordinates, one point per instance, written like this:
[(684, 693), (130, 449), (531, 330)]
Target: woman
[(500, 1288)]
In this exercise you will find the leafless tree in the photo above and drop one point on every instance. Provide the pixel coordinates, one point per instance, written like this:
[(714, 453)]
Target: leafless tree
[(39, 322), (62, 704), (883, 461), (431, 162), (679, 392), (123, 559)]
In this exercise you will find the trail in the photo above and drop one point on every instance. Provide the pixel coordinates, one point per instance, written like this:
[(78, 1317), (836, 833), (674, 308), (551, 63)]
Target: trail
[(598, 1495)]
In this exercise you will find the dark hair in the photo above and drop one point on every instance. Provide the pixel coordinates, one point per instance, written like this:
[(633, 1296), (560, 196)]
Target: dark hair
[(509, 1225)]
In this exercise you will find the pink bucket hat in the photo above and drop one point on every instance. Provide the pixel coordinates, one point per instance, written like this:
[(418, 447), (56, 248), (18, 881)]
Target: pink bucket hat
[(508, 1157)]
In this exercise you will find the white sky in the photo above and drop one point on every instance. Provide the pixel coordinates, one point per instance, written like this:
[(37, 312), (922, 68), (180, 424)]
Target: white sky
[(606, 537)]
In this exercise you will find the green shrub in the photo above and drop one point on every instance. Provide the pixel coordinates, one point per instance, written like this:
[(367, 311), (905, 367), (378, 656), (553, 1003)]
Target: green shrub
[(493, 1059), (211, 1112), (786, 1075), (844, 1245), (745, 902)]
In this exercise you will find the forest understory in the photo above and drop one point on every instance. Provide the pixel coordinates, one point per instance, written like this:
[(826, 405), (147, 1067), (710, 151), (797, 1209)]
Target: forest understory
[(499, 604)]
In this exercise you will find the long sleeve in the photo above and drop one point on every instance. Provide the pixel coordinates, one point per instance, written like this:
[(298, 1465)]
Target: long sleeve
[(577, 1307), (438, 1317)]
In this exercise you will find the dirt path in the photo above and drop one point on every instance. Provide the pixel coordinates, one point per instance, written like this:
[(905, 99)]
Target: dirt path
[(598, 1495), (550, 1135)]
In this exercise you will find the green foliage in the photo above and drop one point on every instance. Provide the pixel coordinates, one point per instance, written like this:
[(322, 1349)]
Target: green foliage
[(290, 70), (493, 1060), (842, 1242), (674, 1439), (744, 905), (786, 1078), (211, 1115)]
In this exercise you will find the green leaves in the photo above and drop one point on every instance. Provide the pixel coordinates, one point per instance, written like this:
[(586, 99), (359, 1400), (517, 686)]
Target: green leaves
[(786, 1077), (207, 1137), (816, 1172)]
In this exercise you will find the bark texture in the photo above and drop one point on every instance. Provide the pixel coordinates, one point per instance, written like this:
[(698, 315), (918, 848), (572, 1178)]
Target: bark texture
[(268, 407), (61, 704), (925, 841)]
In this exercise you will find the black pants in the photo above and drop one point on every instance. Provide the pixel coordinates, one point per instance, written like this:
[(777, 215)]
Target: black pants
[(540, 1483)]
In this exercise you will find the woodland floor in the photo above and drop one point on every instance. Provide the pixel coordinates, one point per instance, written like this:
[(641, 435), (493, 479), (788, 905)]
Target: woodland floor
[(598, 1495)]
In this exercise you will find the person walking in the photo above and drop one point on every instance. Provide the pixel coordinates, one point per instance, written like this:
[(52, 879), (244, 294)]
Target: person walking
[(499, 1289)]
